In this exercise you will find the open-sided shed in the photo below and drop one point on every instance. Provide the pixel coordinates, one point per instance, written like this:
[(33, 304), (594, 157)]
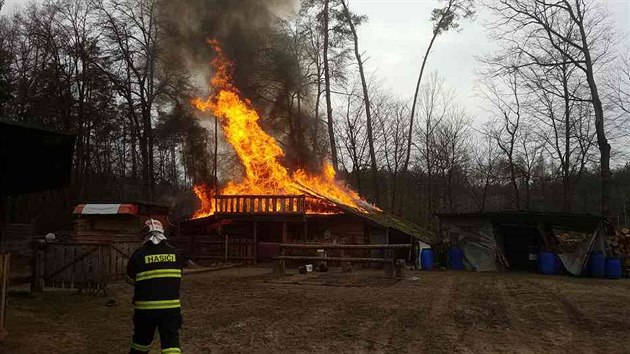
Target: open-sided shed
[(499, 240)]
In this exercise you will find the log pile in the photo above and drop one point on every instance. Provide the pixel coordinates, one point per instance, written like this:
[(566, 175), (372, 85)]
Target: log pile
[(569, 240), (619, 243)]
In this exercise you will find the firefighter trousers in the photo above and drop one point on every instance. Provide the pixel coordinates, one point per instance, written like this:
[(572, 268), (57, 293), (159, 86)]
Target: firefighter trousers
[(145, 322)]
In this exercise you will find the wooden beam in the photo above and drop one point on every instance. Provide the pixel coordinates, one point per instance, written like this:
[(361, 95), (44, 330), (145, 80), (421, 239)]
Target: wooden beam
[(255, 242), (4, 289), (335, 259), (339, 246)]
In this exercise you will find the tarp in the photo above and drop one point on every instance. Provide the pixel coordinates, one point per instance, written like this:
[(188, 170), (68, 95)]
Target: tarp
[(574, 261), (480, 248), (106, 209)]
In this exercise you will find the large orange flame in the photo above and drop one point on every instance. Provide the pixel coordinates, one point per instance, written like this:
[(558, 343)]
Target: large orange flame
[(259, 152)]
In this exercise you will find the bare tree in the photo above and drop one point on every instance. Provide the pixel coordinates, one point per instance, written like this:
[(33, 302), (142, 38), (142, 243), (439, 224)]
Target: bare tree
[(329, 109), (134, 34), (577, 25), (506, 101), (353, 21), (444, 19), (485, 166), (353, 135), (619, 95), (390, 135), (529, 150), (451, 153), (436, 102)]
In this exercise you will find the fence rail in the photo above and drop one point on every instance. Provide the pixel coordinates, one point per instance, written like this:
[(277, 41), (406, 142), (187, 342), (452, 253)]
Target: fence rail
[(393, 267)]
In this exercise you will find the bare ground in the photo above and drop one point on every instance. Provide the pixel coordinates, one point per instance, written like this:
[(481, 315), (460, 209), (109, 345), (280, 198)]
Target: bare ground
[(248, 310)]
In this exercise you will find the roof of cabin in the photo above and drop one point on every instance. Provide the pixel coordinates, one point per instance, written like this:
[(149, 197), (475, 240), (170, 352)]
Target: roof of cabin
[(377, 216)]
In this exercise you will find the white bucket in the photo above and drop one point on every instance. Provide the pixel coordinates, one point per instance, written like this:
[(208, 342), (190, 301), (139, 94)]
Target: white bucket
[(309, 268)]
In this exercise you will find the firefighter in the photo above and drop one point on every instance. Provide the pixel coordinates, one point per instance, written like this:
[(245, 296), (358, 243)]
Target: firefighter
[(155, 270)]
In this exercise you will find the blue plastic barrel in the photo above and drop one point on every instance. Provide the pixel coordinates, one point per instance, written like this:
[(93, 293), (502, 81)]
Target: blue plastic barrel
[(456, 258), (426, 259), (558, 266), (547, 263), (598, 265), (613, 268)]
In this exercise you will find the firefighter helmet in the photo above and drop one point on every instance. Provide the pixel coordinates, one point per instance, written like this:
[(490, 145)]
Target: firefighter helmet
[(152, 225)]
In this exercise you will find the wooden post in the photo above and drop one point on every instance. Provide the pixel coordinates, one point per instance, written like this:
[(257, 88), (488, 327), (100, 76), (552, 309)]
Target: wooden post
[(284, 232), (389, 266), (281, 264), (38, 266), (255, 251), (3, 223), (399, 271), (226, 247), (5, 259), (192, 247)]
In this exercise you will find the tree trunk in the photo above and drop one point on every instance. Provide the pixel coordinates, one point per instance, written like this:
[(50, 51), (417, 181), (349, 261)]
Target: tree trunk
[(415, 100), (602, 141), (517, 197), (366, 100), (415, 95), (566, 180), (329, 113)]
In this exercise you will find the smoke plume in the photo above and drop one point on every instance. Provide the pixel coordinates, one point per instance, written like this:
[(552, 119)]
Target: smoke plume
[(266, 69)]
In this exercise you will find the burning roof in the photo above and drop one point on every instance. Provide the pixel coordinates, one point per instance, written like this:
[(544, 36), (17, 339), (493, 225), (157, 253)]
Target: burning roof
[(259, 152)]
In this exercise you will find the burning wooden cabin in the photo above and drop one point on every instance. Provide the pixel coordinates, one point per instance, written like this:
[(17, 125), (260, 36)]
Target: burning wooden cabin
[(246, 220), (249, 228)]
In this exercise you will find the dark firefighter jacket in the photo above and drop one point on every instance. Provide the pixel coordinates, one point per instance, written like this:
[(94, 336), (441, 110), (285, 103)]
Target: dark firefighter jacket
[(155, 271)]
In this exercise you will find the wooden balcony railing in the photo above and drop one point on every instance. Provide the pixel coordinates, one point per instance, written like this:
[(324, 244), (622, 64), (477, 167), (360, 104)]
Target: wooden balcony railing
[(260, 204)]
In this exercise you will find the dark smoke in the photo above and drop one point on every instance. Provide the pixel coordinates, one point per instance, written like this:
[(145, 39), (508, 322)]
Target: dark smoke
[(266, 68)]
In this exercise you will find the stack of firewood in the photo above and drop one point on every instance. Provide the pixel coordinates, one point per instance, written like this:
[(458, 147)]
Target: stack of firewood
[(619, 244)]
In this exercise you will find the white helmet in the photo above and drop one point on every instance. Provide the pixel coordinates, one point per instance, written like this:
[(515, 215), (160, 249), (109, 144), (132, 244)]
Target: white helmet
[(152, 225)]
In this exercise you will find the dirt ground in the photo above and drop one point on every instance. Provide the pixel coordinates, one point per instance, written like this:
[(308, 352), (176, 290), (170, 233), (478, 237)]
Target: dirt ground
[(248, 310)]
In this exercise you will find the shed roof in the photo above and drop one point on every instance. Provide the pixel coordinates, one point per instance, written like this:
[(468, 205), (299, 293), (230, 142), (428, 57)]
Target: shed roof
[(33, 159), (571, 220)]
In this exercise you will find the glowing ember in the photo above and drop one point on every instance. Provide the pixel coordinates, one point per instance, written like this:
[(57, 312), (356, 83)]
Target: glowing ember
[(260, 153)]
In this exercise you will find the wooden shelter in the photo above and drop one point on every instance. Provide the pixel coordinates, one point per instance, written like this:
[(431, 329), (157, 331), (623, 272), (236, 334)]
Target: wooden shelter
[(110, 223)]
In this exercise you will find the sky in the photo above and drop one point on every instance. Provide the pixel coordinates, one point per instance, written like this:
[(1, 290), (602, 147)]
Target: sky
[(398, 31)]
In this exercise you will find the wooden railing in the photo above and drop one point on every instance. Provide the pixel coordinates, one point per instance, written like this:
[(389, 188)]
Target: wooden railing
[(260, 204), (393, 267)]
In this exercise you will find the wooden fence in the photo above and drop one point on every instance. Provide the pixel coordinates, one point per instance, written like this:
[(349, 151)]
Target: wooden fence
[(204, 248), (392, 266), (83, 266), (4, 288)]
